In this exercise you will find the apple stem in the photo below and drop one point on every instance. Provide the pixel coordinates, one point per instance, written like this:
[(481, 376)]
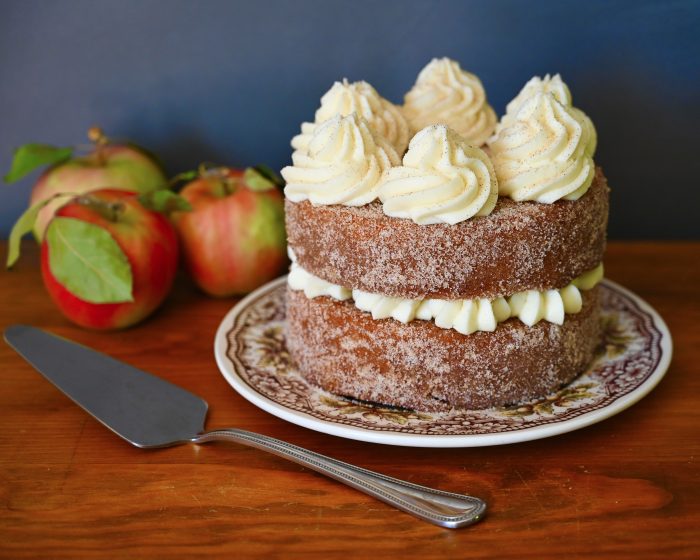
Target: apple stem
[(97, 135), (221, 176), (229, 185), (98, 138)]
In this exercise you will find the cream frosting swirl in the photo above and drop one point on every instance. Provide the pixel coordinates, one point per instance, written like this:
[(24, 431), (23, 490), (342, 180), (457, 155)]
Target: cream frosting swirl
[(532, 306), (463, 315), (442, 180), (560, 91), (446, 94), (343, 164), (313, 286), (345, 98), (542, 155), (551, 305), (587, 280), (589, 130), (549, 84)]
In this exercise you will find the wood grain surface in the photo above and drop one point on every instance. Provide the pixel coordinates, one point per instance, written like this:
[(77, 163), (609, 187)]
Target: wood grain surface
[(623, 488)]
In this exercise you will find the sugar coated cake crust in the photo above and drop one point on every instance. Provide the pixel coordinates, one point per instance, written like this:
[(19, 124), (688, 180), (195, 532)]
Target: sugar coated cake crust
[(421, 366), (519, 246)]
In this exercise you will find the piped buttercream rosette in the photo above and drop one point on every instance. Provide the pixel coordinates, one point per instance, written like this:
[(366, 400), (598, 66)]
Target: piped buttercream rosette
[(555, 86), (541, 155), (446, 94), (442, 180), (345, 98), (343, 164)]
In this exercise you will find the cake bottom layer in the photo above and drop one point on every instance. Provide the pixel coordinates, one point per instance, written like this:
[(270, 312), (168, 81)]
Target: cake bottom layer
[(424, 367)]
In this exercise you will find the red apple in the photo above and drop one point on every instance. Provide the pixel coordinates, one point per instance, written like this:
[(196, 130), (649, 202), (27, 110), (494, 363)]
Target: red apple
[(148, 244), (234, 239), (117, 166)]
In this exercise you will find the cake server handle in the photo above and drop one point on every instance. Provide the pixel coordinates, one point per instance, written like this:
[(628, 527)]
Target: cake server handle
[(445, 509)]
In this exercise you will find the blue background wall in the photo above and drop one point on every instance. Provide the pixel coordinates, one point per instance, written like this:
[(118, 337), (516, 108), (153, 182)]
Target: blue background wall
[(231, 81)]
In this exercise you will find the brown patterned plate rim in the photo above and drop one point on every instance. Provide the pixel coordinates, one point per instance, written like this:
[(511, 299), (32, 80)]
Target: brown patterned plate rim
[(250, 353)]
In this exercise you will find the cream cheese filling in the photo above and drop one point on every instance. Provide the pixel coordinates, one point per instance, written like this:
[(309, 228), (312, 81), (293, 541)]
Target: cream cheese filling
[(463, 315)]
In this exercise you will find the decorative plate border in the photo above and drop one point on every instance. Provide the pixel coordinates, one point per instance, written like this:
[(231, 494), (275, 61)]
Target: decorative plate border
[(250, 351)]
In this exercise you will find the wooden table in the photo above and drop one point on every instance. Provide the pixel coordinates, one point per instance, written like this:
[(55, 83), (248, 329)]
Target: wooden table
[(627, 487)]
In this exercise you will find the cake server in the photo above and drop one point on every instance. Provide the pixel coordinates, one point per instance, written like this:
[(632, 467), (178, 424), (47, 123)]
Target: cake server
[(150, 412)]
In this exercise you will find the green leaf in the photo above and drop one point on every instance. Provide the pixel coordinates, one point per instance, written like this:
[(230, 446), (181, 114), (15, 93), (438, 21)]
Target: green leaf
[(24, 225), (30, 156), (269, 174), (88, 262), (164, 201), (256, 181), (184, 177)]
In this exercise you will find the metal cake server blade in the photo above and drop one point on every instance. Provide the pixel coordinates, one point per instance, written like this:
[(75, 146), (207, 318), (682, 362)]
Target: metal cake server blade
[(150, 412)]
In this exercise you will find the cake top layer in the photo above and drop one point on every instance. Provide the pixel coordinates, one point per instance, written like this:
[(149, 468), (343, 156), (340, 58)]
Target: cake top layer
[(518, 246)]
